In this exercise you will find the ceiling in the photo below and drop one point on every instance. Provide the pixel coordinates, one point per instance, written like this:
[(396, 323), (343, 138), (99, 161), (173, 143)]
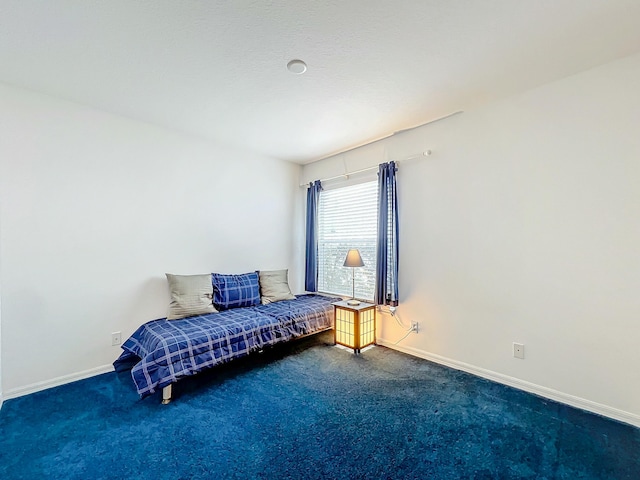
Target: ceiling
[(217, 69)]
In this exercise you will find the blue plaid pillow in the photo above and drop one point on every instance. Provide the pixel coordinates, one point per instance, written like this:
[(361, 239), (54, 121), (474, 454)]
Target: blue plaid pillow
[(234, 291)]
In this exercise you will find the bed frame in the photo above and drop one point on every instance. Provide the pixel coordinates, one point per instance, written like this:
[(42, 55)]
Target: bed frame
[(161, 352), (167, 392)]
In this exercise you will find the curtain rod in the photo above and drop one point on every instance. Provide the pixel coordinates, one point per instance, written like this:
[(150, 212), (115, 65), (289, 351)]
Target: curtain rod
[(426, 153)]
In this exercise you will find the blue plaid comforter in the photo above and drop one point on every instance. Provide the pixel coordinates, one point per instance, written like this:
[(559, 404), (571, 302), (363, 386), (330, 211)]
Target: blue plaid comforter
[(170, 349)]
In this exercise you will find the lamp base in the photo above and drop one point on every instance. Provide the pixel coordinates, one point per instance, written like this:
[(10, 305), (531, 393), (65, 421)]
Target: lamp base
[(353, 302)]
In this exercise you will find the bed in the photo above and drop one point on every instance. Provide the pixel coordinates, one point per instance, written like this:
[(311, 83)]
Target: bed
[(163, 351)]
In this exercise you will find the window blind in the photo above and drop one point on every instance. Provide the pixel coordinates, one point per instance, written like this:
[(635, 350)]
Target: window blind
[(347, 218)]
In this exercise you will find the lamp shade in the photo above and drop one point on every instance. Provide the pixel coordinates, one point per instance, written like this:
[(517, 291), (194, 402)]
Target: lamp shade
[(353, 259)]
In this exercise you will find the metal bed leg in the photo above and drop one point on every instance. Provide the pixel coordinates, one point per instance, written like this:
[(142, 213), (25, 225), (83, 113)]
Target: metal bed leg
[(166, 394)]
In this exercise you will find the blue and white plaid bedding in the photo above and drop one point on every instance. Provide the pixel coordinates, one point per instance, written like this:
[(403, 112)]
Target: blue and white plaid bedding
[(170, 349)]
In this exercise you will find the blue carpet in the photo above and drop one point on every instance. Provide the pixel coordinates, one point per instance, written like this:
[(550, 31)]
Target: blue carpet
[(309, 410)]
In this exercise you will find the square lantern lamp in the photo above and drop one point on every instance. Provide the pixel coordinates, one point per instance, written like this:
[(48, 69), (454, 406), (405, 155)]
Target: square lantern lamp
[(355, 325)]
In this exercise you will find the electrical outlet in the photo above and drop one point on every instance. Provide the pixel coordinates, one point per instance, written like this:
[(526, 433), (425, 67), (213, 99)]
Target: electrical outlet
[(116, 338), (518, 350), (414, 327)]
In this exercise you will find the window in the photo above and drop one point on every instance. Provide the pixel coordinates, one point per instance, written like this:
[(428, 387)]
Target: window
[(347, 218)]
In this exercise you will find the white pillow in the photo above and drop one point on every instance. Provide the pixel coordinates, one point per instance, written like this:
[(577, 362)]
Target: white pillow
[(190, 295), (274, 286)]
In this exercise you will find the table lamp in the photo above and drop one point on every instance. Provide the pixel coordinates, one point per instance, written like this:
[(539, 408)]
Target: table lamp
[(353, 260)]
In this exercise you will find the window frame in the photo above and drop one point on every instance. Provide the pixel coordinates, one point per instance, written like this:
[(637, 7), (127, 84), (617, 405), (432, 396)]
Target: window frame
[(364, 275)]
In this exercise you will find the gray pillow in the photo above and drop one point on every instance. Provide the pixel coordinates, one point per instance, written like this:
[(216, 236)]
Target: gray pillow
[(274, 286), (190, 295)]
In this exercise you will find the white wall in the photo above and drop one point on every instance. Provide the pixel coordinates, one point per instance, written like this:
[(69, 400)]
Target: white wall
[(524, 226), (96, 208)]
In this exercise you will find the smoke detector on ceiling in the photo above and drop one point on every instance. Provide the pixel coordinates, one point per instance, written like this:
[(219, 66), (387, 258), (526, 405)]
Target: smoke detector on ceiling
[(297, 66)]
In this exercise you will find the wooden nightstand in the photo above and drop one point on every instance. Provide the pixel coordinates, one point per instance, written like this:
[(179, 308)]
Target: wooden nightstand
[(355, 325)]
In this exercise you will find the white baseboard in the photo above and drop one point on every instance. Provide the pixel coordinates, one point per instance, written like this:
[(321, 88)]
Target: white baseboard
[(54, 382), (550, 393)]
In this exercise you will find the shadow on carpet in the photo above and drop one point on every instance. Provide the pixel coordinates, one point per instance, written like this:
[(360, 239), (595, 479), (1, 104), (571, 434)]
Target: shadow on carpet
[(309, 410)]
